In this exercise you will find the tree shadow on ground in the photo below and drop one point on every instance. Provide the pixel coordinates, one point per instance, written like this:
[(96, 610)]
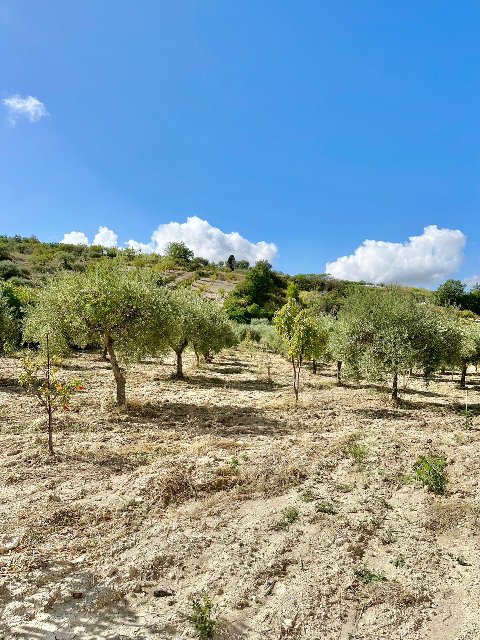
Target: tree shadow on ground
[(382, 414), (220, 420), (11, 385), (75, 623), (239, 385)]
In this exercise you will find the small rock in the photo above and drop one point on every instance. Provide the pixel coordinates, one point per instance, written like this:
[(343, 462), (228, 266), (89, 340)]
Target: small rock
[(163, 593)]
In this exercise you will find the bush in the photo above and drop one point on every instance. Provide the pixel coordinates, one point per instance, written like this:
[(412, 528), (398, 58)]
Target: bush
[(430, 472), (202, 619)]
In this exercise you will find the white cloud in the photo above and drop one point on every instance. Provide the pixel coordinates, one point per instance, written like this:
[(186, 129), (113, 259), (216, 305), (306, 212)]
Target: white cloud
[(105, 237), (139, 246), (74, 237), (207, 241), (204, 240), (471, 281), (424, 260), (29, 107)]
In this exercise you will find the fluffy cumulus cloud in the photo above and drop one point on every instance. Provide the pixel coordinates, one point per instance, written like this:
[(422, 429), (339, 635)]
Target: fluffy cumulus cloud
[(199, 235), (207, 241), (105, 237), (29, 108), (423, 260), (74, 237)]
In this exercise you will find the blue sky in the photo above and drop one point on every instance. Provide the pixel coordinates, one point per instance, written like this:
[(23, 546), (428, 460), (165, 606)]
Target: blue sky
[(312, 125)]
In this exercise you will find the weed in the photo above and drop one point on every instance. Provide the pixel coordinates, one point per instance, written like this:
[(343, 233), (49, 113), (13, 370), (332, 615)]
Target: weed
[(326, 507), (234, 462), (389, 537), (468, 419), (307, 496), (430, 472), (201, 618), (460, 559), (357, 451), (289, 516), (344, 487), (398, 562), (367, 577)]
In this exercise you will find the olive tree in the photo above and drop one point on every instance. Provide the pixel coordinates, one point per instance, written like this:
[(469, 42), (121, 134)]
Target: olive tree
[(198, 323), (301, 335), (377, 333), (469, 348), (108, 306)]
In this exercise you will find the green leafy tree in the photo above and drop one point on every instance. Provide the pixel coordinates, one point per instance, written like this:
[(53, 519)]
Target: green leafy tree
[(231, 262), (109, 306), (451, 293), (261, 293), (197, 323), (377, 333), (301, 335), (179, 252)]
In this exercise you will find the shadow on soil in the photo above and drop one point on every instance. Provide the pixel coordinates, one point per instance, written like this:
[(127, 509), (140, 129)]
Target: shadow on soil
[(85, 627), (221, 420)]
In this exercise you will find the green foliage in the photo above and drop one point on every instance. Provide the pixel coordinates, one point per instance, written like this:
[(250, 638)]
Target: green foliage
[(386, 332), (260, 294), (289, 516), (430, 472), (356, 450), (179, 253), (302, 336), (367, 576), (326, 507), (10, 314), (198, 323), (39, 376), (108, 306), (201, 618), (450, 293), (293, 292)]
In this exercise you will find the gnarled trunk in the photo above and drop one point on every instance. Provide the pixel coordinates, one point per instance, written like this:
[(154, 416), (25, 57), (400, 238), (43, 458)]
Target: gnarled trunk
[(179, 353), (339, 372), (314, 367), (118, 373)]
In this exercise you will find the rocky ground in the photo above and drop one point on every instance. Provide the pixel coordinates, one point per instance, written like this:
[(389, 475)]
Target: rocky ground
[(297, 521)]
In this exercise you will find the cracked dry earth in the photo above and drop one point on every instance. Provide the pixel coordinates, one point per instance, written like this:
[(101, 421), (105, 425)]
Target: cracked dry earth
[(299, 522)]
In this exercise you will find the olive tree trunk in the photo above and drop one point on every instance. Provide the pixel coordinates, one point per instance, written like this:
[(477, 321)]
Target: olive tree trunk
[(179, 353), (463, 377), (395, 386), (118, 372)]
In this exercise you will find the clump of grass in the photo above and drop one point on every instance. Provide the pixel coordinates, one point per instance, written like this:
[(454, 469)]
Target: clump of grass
[(430, 472), (344, 487), (201, 618), (307, 496), (389, 537), (398, 562), (367, 577), (326, 507), (289, 516), (357, 451)]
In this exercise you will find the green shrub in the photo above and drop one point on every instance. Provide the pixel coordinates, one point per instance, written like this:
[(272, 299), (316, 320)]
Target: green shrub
[(201, 618), (366, 576), (430, 472), (289, 516)]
